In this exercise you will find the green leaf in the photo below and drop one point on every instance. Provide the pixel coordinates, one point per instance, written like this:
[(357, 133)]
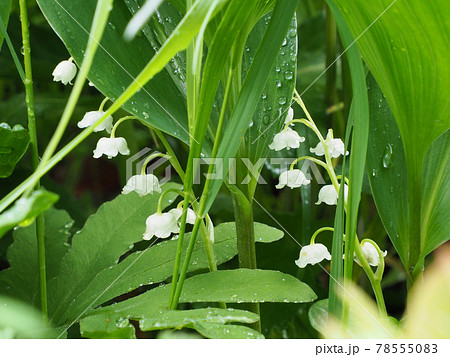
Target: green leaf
[(106, 236), (267, 234), (21, 279), (386, 169), (359, 120), (318, 315), (276, 97), (217, 331), (413, 73), (25, 210), (386, 166), (100, 326), (435, 214), (187, 318), (155, 264), (229, 286), (246, 285), (5, 8), (253, 87), (411, 70), (13, 144)]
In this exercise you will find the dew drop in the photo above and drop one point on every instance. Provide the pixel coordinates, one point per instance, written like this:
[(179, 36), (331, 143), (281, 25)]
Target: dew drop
[(288, 75), (282, 100), (266, 119), (387, 156)]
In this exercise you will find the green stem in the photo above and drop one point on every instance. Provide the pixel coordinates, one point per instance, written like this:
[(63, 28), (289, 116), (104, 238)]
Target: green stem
[(28, 82), (150, 158), (180, 281), (120, 121), (243, 214), (189, 173), (374, 281), (173, 158)]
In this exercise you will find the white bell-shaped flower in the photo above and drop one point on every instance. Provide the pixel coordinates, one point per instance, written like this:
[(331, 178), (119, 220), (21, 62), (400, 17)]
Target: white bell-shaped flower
[(289, 116), (91, 117), (293, 179), (312, 254), (336, 147), (191, 216), (65, 71), (371, 254), (329, 195), (162, 225), (142, 185), (286, 138), (111, 147)]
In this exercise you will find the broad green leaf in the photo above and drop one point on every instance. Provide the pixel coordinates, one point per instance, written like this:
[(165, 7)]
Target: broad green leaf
[(435, 214), (155, 265), (252, 88), (21, 279), (216, 331), (386, 169), (5, 8), (318, 315), (106, 236), (25, 210), (186, 318), (276, 97), (266, 234), (13, 144), (407, 50), (388, 179), (100, 326), (229, 286), (140, 18), (412, 72), (246, 285)]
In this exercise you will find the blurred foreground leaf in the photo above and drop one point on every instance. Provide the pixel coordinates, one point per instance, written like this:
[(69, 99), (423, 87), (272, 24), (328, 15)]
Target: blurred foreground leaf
[(13, 144), (25, 210)]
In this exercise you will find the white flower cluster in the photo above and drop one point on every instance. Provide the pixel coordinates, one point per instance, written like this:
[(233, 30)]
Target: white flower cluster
[(294, 178)]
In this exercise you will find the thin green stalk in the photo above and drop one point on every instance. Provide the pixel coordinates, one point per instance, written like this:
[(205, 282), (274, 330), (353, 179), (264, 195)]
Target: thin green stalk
[(12, 51), (195, 139), (180, 281), (98, 26), (29, 98), (173, 158), (374, 280)]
